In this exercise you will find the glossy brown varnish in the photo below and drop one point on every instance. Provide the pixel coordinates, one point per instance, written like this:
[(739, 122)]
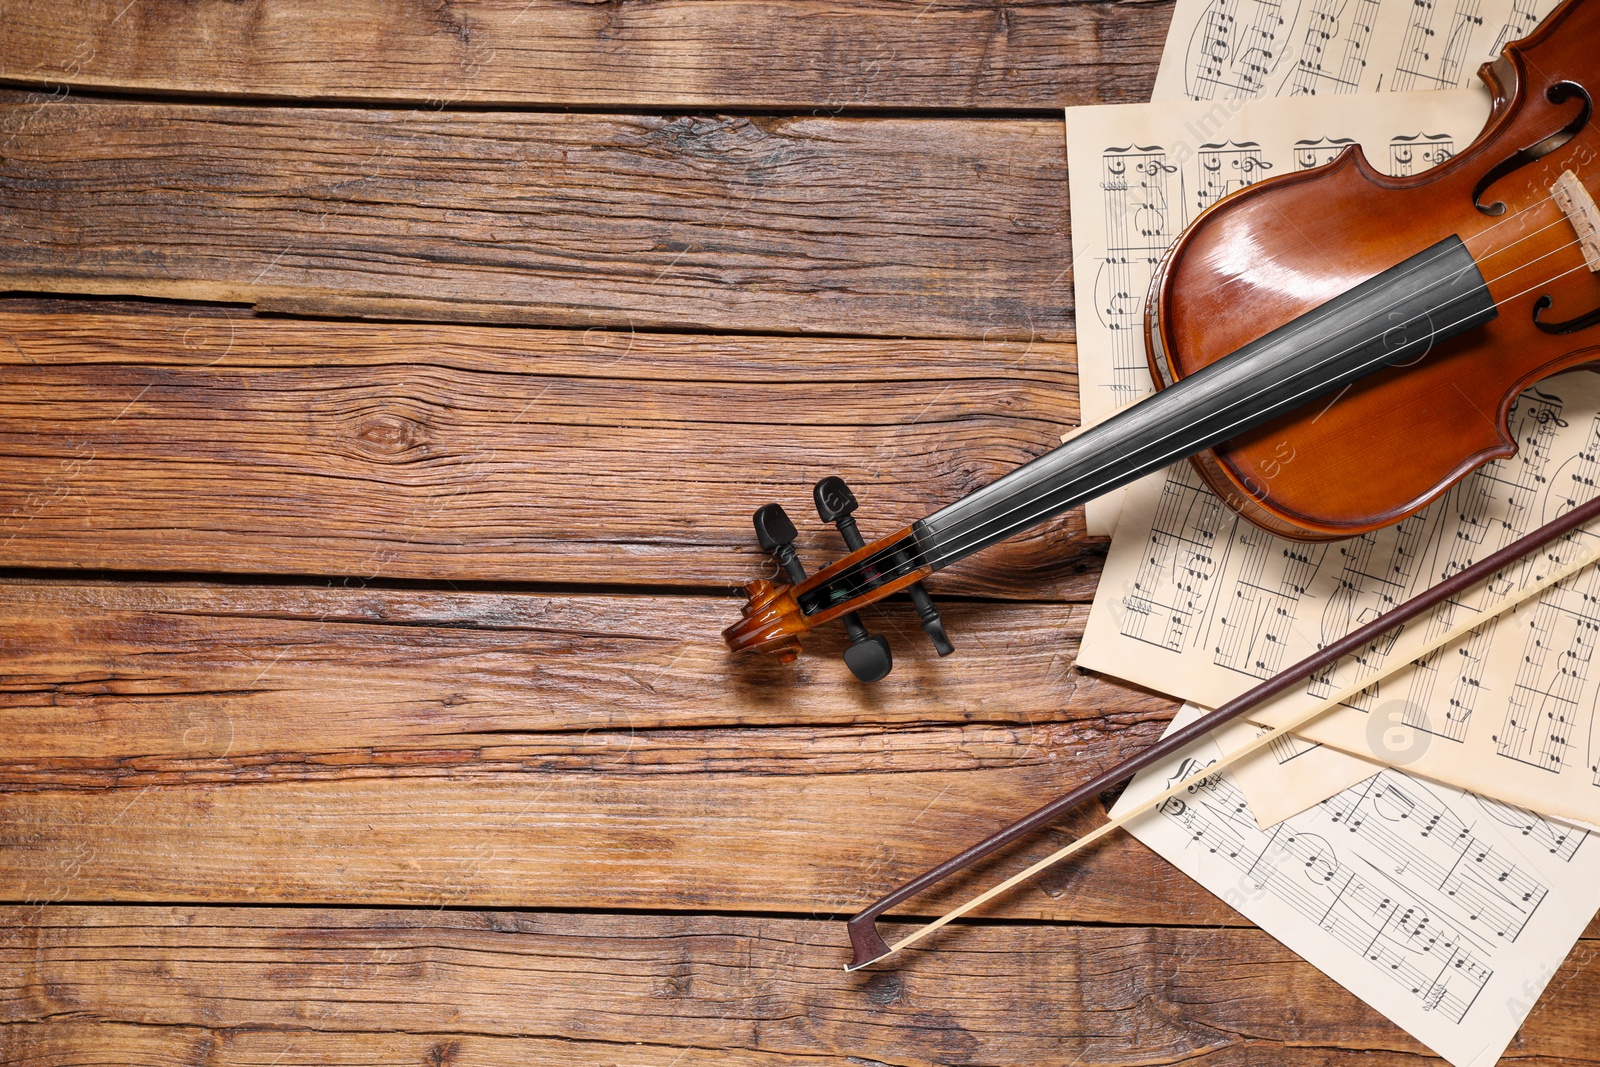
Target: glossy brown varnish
[(1271, 252)]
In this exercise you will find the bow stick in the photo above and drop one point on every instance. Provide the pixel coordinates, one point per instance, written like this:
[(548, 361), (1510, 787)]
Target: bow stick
[(868, 945)]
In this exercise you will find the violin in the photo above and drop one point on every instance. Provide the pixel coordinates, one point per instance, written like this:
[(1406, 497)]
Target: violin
[(1332, 350)]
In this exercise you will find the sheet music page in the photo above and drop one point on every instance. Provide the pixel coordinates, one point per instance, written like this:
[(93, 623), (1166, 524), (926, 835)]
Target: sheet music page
[(1245, 49), (1138, 173), (1448, 914), (1292, 774), (1197, 602), (1281, 783)]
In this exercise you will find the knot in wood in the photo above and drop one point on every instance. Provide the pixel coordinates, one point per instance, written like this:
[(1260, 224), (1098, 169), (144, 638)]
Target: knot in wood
[(443, 1053), (386, 435), (717, 139), (885, 989)]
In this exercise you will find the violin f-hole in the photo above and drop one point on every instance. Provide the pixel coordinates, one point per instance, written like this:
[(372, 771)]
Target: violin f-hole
[(1573, 325), (1559, 93)]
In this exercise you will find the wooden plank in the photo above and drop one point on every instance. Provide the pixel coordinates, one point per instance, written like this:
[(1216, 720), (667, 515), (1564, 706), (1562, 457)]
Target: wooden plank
[(293, 723), (748, 822), (883, 226), (138, 674), (184, 442), (79, 1041), (500, 725), (770, 54), (302, 987)]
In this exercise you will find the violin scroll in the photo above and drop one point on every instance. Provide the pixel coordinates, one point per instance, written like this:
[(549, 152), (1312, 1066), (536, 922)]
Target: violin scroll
[(776, 614), (770, 622)]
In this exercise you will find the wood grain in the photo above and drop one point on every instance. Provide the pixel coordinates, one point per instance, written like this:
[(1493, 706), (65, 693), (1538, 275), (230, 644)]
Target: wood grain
[(502, 726), (882, 226), (771, 54), (122, 672), (189, 741), (187, 442), (300, 987), (303, 709), (748, 822)]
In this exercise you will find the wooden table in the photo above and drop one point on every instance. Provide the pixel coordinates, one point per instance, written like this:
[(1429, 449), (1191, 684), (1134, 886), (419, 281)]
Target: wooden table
[(383, 398)]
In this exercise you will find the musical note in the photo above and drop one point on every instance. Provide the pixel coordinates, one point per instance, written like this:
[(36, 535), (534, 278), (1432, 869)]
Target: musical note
[(1428, 903), (1547, 715), (1426, 62), (1336, 44), (1236, 49), (1314, 152), (1391, 915), (1225, 168), (1418, 152), (1172, 590), (1559, 839), (1235, 602), (1141, 217), (1519, 22)]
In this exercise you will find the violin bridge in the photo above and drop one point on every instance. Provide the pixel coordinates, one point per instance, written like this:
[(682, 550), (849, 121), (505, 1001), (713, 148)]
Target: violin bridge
[(1575, 202)]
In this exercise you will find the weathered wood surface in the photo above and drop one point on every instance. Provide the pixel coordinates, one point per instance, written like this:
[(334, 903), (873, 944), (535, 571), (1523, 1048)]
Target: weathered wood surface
[(704, 54), (681, 837), (202, 742), (227, 986), (187, 442), (885, 226), (331, 745), (566, 734), (111, 671)]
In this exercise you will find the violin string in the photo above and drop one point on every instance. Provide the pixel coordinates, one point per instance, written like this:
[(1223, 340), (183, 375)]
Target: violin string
[(1535, 259), (958, 540), (951, 552), (1312, 319), (982, 529), (1540, 202)]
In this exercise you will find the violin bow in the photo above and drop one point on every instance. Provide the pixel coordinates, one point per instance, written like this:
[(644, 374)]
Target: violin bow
[(868, 945)]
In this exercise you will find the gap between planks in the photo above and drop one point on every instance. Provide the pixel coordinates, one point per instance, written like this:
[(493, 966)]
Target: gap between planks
[(757, 54), (199, 441)]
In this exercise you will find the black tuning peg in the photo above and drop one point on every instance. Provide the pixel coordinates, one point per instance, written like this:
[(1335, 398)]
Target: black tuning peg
[(776, 534), (837, 504), (868, 656), (928, 616)]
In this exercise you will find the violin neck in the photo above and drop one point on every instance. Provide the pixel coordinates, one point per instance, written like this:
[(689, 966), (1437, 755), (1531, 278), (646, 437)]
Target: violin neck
[(1393, 318)]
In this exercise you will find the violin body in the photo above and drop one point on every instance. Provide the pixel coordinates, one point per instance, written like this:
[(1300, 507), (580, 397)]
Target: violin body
[(1270, 253), (1369, 336), (1332, 350)]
